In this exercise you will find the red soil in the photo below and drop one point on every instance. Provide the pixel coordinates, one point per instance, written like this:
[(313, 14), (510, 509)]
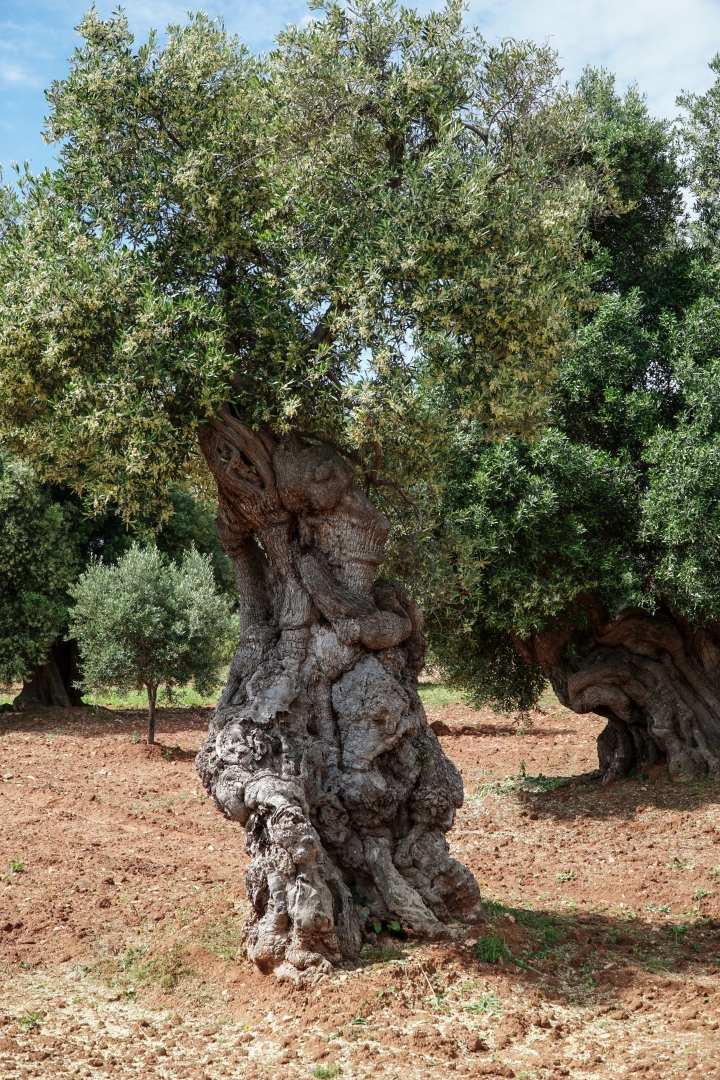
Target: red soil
[(118, 934)]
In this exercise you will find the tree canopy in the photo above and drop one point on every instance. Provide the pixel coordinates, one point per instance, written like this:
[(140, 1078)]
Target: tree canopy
[(39, 559), (146, 622), (614, 507), (382, 205)]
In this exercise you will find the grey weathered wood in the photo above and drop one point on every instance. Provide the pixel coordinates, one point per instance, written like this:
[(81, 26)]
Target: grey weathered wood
[(319, 744)]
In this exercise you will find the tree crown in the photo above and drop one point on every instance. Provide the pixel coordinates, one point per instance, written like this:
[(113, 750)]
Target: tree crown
[(147, 622), (383, 204)]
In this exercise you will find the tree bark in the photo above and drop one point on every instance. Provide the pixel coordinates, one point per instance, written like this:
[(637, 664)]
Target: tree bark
[(52, 683), (319, 744), (656, 680), (152, 698)]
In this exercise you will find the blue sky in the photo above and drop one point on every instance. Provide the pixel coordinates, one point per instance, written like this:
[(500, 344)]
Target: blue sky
[(663, 45)]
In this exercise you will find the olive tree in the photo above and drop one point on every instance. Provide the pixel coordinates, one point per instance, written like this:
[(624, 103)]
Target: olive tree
[(146, 622), (590, 557), (263, 267)]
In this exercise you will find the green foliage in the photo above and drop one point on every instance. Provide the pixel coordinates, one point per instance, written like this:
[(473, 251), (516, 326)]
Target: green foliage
[(147, 622), (640, 245), (32, 1020), (700, 141), (492, 948), (39, 558), (383, 205), (530, 530), (327, 1072), (615, 505)]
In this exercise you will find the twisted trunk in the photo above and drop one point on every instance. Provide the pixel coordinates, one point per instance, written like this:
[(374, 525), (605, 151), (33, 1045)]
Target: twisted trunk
[(53, 683), (655, 679), (319, 744)]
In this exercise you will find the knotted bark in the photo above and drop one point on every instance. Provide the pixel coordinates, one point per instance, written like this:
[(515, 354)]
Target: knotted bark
[(319, 744), (654, 677)]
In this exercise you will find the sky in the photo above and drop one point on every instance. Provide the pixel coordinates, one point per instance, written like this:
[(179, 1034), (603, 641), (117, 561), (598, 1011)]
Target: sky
[(662, 45)]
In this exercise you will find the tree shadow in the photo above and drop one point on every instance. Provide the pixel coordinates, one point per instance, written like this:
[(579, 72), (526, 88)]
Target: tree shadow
[(97, 722), (441, 728), (590, 957), (570, 797)]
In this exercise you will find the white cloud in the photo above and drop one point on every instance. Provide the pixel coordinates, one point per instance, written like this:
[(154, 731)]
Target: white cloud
[(663, 45), (17, 75)]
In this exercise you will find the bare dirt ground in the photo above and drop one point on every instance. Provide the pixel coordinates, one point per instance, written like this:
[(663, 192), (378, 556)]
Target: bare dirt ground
[(121, 902)]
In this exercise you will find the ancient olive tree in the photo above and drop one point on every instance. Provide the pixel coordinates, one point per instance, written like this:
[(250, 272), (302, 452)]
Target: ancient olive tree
[(146, 622), (590, 556), (272, 262)]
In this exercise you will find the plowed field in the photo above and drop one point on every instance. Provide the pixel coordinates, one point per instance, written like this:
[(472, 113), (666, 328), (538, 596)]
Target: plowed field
[(122, 899)]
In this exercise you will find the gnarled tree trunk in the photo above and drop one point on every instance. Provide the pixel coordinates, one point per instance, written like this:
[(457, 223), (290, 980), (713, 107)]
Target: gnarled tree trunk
[(319, 744), (52, 683), (655, 679)]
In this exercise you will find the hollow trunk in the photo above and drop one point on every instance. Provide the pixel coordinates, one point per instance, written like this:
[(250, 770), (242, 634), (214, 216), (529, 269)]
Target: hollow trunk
[(152, 698), (319, 744), (52, 683), (657, 681)]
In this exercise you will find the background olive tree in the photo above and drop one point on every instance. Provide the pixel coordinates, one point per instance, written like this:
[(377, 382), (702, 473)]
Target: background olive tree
[(39, 559), (146, 622), (589, 557)]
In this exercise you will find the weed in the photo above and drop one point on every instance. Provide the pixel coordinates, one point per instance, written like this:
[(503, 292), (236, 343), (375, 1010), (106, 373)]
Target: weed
[(31, 1020), (548, 930), (135, 737), (165, 969), (327, 1072), (676, 933), (700, 894), (677, 864), (662, 910), (492, 948), (223, 937), (384, 955), (168, 968), (132, 957), (16, 866), (488, 1003), (566, 875)]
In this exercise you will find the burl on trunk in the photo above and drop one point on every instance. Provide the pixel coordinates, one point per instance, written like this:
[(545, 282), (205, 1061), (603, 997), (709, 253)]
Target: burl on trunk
[(319, 744)]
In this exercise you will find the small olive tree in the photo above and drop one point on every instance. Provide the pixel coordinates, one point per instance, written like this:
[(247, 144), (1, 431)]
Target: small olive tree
[(147, 622)]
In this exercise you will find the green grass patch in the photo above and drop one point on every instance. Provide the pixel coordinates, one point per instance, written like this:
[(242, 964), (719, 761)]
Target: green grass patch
[(327, 1072), (223, 937), (488, 1003), (165, 970), (492, 948), (181, 696), (435, 695)]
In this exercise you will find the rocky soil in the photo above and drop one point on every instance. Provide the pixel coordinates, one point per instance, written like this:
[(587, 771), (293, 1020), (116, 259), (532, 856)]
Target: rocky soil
[(122, 899)]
